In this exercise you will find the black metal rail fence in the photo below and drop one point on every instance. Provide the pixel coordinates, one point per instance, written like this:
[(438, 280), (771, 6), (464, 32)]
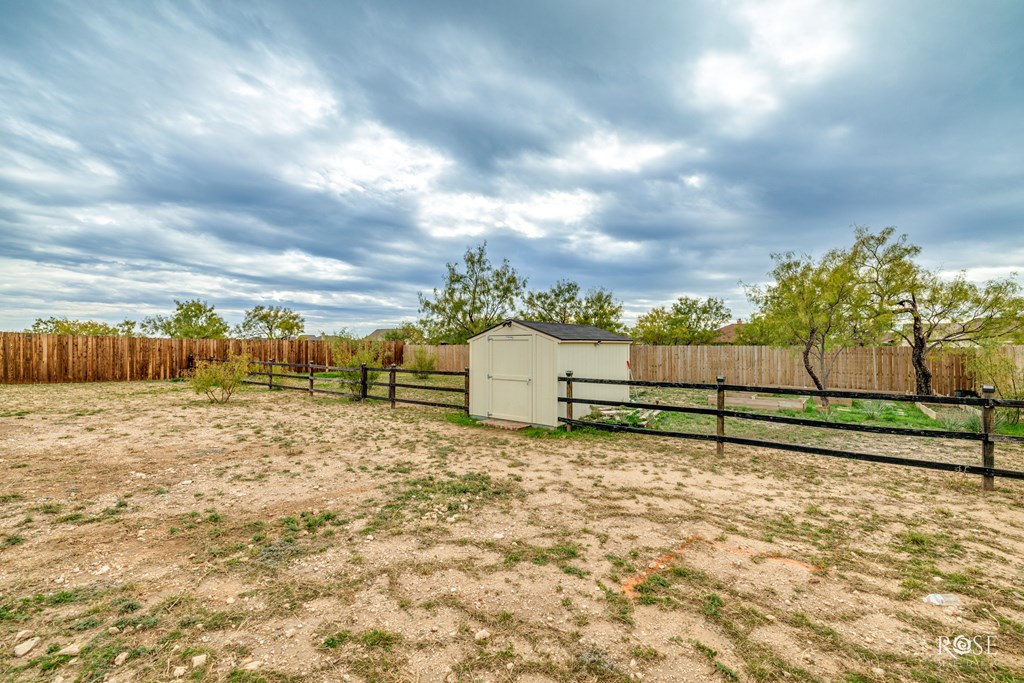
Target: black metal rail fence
[(357, 384), (987, 436)]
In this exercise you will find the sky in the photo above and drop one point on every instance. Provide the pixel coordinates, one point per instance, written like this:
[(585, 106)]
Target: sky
[(332, 157)]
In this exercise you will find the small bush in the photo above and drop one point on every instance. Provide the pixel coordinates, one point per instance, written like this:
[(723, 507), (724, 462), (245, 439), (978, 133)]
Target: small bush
[(423, 362), (219, 380), (348, 352)]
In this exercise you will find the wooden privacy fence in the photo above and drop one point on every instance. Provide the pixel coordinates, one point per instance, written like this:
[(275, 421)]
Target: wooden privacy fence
[(39, 358), (986, 436), (48, 358), (450, 357), (869, 368)]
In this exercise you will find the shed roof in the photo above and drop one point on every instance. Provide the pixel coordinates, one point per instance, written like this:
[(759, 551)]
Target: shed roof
[(565, 332)]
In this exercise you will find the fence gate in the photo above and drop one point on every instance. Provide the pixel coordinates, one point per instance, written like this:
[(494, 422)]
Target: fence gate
[(509, 381)]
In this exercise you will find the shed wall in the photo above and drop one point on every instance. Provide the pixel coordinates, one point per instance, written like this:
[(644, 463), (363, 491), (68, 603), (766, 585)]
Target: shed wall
[(596, 361)]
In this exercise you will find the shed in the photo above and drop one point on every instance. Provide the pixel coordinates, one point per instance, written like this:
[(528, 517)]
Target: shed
[(514, 369)]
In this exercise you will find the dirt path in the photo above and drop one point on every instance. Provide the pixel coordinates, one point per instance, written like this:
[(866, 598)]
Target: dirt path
[(279, 538)]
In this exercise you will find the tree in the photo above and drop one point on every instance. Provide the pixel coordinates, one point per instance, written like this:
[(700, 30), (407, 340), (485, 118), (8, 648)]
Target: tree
[(600, 309), (560, 304), (270, 322), (471, 300), (927, 311), (193, 319), (563, 304), (407, 332), (818, 306), (88, 328), (690, 320)]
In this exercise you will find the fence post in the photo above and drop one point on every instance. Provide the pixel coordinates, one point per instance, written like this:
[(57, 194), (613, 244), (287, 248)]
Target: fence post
[(270, 374), (362, 382), (465, 386), (568, 395), (988, 447), (720, 419), (391, 385), (311, 379)]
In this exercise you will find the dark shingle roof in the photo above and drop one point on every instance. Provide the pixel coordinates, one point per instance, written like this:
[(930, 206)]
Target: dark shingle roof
[(564, 332)]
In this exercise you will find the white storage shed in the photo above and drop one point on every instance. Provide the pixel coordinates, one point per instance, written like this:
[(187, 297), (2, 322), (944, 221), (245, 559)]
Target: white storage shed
[(514, 369)]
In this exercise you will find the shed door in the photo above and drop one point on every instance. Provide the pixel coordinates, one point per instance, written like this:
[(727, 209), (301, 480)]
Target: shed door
[(510, 385)]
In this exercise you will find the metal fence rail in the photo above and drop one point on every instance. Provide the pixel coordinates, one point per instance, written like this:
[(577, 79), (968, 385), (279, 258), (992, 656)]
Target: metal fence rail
[(987, 436)]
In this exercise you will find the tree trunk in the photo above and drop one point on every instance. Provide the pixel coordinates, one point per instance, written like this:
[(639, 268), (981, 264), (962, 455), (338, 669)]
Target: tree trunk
[(809, 367), (923, 384)]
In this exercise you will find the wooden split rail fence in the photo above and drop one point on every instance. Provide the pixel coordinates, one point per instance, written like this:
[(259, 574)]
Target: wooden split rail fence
[(358, 384), (987, 436)]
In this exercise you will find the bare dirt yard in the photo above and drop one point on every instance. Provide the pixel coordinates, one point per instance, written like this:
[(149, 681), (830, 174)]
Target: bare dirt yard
[(147, 535)]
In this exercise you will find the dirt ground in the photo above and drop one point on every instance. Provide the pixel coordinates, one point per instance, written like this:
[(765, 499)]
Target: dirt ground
[(147, 535)]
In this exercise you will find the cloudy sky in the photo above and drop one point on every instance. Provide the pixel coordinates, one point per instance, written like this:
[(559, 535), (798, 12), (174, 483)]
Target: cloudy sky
[(332, 156)]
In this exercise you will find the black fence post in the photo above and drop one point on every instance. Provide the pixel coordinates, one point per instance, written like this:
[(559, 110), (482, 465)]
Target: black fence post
[(362, 382), (568, 395), (465, 386), (988, 447), (311, 379), (720, 419), (270, 374), (391, 385)]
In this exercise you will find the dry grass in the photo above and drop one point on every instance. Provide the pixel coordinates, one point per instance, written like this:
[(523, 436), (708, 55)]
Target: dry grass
[(311, 540)]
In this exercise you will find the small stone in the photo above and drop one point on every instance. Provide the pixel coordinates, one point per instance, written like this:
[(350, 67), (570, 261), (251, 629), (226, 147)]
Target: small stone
[(199, 660), (481, 635), (878, 672), (289, 633), (770, 617), (25, 647), (102, 570), (510, 666), (113, 630), (178, 672), (120, 658), (252, 666), (230, 601), (22, 635), (369, 537), (452, 519), (632, 664), (499, 536), (72, 649), (58, 679)]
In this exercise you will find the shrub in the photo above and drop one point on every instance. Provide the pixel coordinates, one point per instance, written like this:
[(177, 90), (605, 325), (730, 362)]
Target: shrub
[(990, 364), (218, 380), (423, 362), (348, 352)]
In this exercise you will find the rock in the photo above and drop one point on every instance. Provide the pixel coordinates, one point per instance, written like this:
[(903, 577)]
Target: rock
[(102, 570), (120, 658), (58, 679), (199, 660), (25, 647), (22, 635), (878, 672), (499, 535), (289, 633), (481, 635), (230, 601), (113, 630), (770, 617), (252, 666), (178, 672), (72, 649)]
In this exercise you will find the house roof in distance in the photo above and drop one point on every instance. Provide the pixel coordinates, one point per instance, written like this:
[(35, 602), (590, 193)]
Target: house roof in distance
[(565, 332)]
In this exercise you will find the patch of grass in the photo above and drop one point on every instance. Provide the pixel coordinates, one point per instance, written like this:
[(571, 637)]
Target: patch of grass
[(10, 498), (337, 640), (434, 497), (376, 638)]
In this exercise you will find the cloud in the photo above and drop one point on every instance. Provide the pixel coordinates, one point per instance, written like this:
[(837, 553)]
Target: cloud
[(334, 156)]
